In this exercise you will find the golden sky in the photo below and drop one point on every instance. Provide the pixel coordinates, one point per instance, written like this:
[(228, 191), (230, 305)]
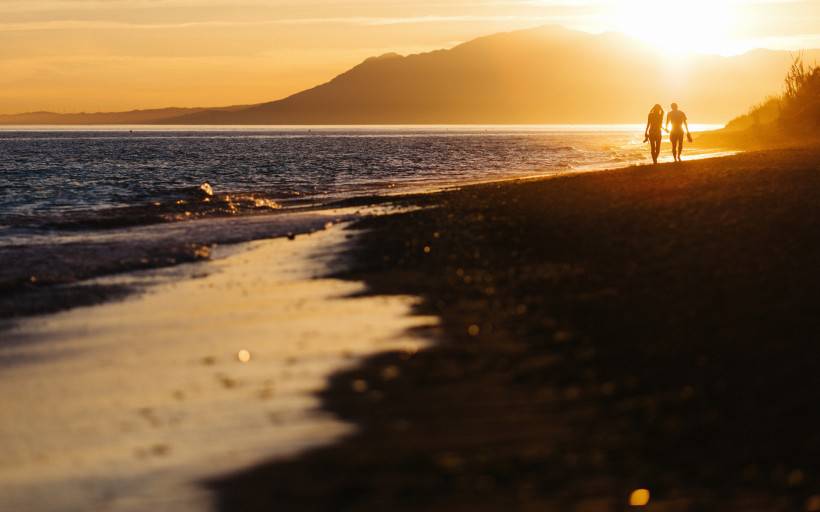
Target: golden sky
[(105, 55)]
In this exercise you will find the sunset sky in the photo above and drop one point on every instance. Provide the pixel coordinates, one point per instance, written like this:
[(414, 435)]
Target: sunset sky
[(103, 55)]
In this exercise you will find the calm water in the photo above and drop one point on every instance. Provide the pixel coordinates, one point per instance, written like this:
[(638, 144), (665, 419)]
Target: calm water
[(62, 187)]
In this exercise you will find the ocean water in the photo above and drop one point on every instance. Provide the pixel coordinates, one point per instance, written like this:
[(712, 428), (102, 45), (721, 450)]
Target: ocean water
[(79, 202)]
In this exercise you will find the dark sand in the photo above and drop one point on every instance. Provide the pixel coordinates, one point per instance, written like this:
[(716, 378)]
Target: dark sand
[(653, 327)]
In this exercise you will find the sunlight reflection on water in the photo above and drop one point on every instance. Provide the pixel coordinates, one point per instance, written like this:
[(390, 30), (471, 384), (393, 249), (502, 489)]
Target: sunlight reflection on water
[(124, 406)]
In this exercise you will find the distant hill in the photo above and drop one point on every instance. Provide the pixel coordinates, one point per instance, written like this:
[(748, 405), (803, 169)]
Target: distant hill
[(133, 117), (152, 116), (543, 75)]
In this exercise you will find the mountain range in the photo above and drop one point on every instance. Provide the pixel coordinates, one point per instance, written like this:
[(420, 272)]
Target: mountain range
[(543, 75)]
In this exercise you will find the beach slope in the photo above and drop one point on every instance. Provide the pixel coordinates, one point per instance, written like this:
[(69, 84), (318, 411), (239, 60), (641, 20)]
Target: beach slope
[(651, 327)]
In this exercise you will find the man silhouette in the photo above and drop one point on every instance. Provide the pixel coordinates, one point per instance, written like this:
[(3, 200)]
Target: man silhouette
[(678, 120)]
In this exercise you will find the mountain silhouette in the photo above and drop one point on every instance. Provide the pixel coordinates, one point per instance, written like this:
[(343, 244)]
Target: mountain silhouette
[(542, 75), (148, 116)]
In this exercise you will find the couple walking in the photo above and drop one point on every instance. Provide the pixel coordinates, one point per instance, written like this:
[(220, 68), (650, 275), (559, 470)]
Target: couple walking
[(653, 130)]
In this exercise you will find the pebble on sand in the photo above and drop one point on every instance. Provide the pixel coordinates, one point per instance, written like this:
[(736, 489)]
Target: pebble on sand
[(639, 498)]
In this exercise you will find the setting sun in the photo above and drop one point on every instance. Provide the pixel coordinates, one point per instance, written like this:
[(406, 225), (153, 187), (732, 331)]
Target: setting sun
[(698, 26)]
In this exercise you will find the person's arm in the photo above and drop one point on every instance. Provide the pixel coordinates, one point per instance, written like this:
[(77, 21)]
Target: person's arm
[(686, 124), (668, 120)]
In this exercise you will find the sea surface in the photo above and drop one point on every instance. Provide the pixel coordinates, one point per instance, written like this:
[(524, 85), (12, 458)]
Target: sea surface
[(76, 202)]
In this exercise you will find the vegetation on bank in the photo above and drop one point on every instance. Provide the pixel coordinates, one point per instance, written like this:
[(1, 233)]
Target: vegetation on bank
[(795, 113)]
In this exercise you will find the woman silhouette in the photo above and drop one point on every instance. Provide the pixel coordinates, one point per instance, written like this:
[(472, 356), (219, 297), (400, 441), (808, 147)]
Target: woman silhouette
[(653, 131)]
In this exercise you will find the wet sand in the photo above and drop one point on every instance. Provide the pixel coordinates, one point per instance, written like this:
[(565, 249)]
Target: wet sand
[(215, 366), (651, 327)]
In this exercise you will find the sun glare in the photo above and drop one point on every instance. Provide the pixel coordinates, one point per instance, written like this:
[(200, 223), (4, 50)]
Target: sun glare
[(672, 26)]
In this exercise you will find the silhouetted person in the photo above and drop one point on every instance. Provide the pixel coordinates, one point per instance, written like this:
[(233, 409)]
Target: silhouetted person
[(653, 131), (678, 120)]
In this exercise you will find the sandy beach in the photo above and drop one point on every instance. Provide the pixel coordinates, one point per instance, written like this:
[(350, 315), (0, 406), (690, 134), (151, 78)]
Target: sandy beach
[(646, 328), (535, 344)]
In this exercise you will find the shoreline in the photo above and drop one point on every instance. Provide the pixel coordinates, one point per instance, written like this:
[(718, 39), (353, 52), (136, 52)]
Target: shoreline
[(60, 276), (648, 327), (77, 273)]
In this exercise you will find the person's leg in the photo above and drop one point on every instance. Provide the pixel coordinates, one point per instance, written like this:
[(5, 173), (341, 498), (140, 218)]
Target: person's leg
[(677, 146), (656, 149)]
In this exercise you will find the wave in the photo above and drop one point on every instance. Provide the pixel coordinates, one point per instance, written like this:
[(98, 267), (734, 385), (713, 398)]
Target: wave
[(173, 206), (30, 270)]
